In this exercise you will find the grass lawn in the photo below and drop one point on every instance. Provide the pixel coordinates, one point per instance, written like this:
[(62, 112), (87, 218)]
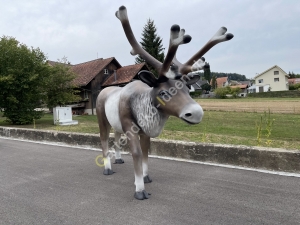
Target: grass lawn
[(238, 128), (225, 127)]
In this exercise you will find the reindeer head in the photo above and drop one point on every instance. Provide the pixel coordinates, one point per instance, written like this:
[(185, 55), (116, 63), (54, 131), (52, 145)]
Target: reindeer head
[(170, 93), (171, 96)]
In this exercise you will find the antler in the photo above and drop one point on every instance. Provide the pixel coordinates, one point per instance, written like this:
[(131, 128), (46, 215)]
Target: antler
[(197, 62), (177, 37), (121, 14)]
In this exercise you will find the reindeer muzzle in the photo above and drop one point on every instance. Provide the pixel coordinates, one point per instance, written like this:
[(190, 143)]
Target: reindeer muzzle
[(192, 114)]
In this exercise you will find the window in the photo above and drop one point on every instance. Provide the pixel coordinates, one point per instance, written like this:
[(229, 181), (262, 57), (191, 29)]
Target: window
[(260, 81), (276, 72), (85, 94), (105, 71), (276, 79)]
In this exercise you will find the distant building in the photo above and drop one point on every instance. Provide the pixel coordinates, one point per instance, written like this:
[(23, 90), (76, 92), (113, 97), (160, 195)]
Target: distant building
[(222, 82), (273, 79), (294, 81), (197, 86), (124, 75), (93, 76)]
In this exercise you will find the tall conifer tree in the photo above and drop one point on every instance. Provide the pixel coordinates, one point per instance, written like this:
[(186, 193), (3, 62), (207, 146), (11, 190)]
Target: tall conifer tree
[(214, 82), (207, 74), (152, 43)]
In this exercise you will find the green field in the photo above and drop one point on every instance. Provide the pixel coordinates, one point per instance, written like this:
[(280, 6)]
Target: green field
[(224, 127), (238, 128)]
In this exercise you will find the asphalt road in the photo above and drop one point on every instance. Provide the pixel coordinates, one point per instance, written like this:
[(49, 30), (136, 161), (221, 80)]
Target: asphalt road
[(44, 184)]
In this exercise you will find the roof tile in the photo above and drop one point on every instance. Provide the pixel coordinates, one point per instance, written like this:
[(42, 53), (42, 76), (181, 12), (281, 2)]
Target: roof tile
[(88, 70), (242, 86), (221, 81), (123, 75)]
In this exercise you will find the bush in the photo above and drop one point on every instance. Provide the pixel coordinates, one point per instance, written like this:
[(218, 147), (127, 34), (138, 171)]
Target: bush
[(235, 91), (195, 94), (222, 92), (294, 87), (276, 94)]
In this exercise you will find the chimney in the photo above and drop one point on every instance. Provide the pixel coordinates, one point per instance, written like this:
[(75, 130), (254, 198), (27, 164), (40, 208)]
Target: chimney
[(115, 73)]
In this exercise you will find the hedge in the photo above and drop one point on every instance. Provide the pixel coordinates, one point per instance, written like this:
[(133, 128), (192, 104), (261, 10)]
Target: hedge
[(276, 94)]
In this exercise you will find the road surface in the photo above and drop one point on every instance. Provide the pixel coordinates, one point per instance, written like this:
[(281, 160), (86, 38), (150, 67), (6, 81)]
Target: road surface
[(45, 184)]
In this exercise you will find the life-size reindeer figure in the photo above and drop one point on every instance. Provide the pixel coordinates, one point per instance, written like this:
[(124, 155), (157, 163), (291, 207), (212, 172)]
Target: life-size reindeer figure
[(141, 108)]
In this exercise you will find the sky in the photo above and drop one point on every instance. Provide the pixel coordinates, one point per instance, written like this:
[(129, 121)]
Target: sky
[(266, 32)]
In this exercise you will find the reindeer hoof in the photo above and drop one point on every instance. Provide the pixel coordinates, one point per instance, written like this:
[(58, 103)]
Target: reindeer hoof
[(119, 161), (147, 179), (108, 172), (141, 195)]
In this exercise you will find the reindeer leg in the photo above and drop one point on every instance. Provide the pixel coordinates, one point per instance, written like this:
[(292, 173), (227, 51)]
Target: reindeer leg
[(118, 159), (104, 136), (145, 144), (106, 156), (137, 155)]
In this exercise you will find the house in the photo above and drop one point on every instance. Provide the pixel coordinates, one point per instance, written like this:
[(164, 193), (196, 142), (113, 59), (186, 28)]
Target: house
[(236, 82), (222, 82), (273, 79), (233, 82), (93, 76), (293, 81), (243, 92), (124, 75), (254, 88), (243, 85), (248, 82), (197, 86), (90, 76)]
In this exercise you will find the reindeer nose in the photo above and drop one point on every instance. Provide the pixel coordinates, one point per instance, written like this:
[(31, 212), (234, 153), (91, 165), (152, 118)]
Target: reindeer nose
[(192, 113)]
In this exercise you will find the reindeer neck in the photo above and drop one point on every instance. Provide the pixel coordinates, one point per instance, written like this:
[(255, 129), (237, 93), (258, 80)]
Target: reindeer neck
[(146, 115)]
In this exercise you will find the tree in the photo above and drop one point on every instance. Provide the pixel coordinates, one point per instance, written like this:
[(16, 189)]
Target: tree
[(22, 74), (233, 76), (292, 75), (206, 87), (207, 75), (27, 82), (214, 82), (152, 43), (59, 86)]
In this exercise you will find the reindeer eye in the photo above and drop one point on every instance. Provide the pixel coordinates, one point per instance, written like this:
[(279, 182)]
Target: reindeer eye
[(164, 93)]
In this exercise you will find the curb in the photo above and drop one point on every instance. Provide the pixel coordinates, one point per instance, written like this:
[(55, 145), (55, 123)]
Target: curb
[(236, 155)]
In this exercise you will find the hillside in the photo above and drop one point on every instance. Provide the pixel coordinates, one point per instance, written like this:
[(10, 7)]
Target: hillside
[(231, 76)]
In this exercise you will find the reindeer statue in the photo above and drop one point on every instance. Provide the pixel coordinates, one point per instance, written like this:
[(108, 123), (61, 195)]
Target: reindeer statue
[(141, 108)]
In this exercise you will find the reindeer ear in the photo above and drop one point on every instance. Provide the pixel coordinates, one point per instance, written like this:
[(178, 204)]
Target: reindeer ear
[(148, 78), (193, 79)]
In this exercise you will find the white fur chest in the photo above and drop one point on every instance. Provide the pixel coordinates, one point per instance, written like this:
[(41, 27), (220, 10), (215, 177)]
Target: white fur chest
[(147, 116)]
